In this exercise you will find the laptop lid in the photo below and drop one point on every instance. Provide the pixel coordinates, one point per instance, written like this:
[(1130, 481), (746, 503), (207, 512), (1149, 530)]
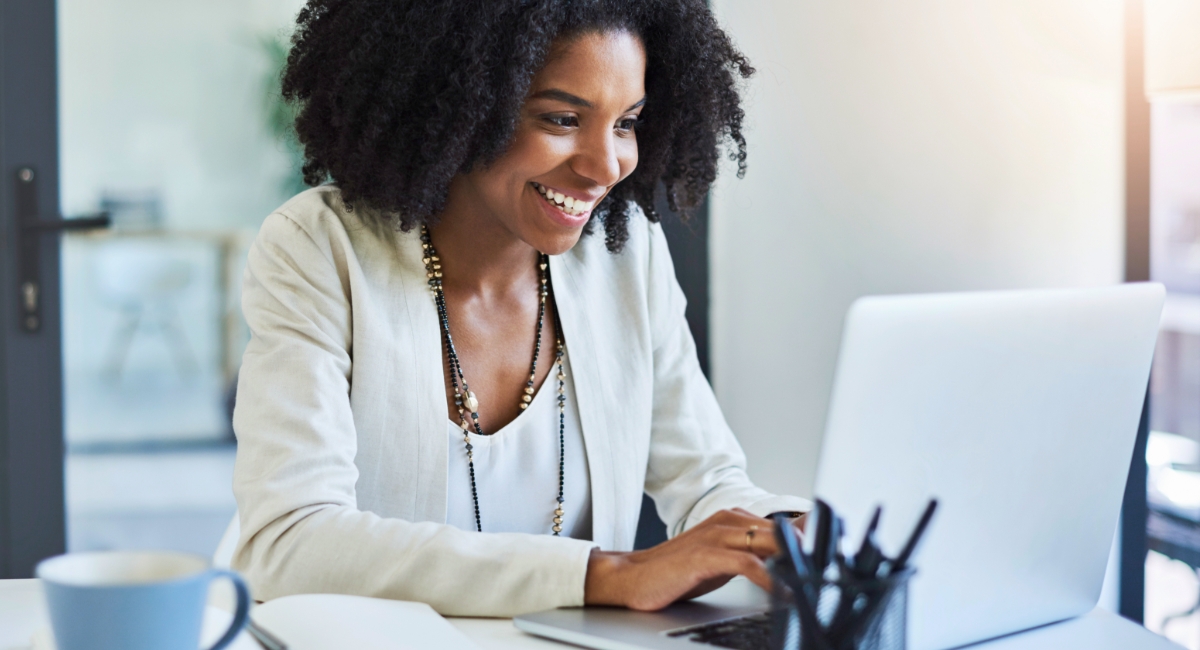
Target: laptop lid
[(1019, 411)]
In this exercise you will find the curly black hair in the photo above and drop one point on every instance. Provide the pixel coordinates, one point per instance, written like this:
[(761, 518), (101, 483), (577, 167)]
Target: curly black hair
[(396, 97)]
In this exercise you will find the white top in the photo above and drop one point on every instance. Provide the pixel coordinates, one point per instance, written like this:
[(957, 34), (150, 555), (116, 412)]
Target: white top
[(516, 470)]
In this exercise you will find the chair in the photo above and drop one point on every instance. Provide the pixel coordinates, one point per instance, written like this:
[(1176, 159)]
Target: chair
[(1173, 524), (143, 280)]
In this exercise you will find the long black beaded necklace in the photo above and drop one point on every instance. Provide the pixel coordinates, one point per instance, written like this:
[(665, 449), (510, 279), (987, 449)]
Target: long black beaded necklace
[(464, 399)]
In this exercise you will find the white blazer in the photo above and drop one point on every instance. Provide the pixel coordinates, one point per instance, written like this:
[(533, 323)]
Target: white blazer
[(341, 473)]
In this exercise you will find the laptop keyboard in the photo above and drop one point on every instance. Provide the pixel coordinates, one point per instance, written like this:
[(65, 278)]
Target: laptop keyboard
[(746, 633)]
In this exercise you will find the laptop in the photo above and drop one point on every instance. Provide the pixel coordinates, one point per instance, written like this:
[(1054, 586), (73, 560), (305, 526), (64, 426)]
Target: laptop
[(1018, 410)]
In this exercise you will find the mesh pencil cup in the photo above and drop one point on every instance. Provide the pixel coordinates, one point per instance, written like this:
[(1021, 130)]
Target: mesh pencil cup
[(844, 613)]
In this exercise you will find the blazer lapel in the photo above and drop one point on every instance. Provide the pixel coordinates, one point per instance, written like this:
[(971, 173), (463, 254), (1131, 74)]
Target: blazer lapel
[(432, 460), (569, 280)]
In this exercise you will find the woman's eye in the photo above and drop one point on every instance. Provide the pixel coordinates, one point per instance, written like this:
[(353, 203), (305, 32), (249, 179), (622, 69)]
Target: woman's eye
[(627, 124), (565, 121)]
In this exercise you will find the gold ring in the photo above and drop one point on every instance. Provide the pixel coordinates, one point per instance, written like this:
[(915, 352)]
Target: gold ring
[(750, 537)]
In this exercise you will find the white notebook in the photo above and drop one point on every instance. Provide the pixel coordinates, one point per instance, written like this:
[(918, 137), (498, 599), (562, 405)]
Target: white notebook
[(331, 621)]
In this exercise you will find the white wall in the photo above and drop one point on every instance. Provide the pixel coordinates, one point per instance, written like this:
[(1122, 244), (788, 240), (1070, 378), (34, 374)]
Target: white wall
[(923, 145), (167, 98)]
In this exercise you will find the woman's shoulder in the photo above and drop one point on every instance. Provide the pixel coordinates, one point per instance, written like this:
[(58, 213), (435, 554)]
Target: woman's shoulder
[(321, 214)]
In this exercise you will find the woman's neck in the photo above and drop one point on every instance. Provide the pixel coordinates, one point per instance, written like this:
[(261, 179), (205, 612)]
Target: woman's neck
[(479, 254)]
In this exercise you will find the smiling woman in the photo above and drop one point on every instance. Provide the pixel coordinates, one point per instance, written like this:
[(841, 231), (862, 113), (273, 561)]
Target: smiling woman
[(451, 394)]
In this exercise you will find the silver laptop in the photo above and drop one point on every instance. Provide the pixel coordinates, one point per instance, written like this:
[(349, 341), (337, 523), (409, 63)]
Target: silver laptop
[(1018, 410)]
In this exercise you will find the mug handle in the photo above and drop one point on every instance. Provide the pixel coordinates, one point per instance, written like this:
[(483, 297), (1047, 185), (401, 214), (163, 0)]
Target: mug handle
[(241, 615)]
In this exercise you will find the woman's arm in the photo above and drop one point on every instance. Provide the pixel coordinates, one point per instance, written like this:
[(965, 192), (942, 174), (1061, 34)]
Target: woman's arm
[(696, 466), (696, 475), (295, 474)]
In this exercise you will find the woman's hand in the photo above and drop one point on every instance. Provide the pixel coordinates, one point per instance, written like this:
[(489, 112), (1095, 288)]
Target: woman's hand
[(727, 544)]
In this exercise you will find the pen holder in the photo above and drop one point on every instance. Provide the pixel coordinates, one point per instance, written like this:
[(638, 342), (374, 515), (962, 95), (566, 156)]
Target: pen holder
[(838, 614)]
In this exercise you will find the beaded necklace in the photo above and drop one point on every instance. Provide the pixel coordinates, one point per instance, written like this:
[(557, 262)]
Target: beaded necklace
[(464, 398)]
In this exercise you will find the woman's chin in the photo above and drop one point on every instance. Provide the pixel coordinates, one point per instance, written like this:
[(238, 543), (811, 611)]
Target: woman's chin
[(558, 242)]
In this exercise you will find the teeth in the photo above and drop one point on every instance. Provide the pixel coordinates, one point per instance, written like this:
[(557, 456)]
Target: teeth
[(569, 204)]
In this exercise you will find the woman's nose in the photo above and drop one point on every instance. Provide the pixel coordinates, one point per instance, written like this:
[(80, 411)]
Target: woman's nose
[(598, 158)]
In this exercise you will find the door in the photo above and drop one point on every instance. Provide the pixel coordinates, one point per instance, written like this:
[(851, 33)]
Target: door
[(31, 470)]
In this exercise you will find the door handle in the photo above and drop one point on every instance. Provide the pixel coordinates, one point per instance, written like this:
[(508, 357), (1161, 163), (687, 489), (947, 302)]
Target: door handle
[(30, 227)]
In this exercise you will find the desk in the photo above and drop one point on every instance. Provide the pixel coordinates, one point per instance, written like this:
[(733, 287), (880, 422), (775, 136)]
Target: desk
[(22, 612)]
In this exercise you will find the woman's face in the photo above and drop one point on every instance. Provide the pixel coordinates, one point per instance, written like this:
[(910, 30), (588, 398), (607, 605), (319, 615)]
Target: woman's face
[(574, 142)]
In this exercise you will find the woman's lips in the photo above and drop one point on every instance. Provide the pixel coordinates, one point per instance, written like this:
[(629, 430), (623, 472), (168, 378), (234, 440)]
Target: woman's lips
[(564, 209)]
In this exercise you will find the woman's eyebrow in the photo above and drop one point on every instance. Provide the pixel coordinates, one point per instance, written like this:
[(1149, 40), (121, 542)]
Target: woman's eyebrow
[(564, 96)]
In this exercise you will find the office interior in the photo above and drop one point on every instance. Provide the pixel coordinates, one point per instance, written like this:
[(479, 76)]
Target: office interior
[(895, 147)]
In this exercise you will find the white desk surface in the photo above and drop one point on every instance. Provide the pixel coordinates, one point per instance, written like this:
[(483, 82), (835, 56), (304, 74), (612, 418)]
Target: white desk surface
[(22, 612)]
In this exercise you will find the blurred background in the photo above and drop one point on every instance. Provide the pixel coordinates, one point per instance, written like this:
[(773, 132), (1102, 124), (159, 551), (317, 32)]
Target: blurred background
[(924, 145), (170, 120)]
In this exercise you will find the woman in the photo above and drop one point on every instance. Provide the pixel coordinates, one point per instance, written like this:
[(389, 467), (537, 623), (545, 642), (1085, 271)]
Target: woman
[(457, 389)]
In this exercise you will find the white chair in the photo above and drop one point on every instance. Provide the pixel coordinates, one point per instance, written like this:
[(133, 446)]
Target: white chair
[(143, 279)]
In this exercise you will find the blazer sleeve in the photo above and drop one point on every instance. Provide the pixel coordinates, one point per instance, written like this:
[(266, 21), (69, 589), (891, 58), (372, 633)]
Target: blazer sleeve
[(696, 466), (295, 475)]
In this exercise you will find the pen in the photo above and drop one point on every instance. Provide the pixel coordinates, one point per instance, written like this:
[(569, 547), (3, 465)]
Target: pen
[(914, 539), (823, 538), (864, 566), (264, 638), (785, 535)]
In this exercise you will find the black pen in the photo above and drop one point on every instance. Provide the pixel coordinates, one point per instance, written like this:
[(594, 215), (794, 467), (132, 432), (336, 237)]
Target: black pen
[(823, 538), (863, 567), (785, 535), (914, 539), (264, 638)]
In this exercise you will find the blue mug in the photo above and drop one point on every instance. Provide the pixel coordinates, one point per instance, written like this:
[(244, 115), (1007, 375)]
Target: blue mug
[(133, 600)]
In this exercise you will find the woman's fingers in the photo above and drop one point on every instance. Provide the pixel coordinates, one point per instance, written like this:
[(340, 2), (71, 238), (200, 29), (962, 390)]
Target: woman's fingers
[(747, 565), (706, 569), (757, 539), (729, 543)]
